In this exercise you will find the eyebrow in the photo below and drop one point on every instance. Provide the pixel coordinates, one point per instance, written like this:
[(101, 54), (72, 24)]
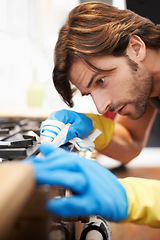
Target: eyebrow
[(95, 74), (91, 80)]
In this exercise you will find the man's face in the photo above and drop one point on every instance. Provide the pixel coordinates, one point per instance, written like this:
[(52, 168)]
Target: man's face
[(124, 87)]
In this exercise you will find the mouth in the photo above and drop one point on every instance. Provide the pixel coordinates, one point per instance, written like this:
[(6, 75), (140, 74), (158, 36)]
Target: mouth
[(122, 110)]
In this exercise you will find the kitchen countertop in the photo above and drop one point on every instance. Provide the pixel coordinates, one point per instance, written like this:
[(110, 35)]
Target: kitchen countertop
[(27, 112), (149, 157)]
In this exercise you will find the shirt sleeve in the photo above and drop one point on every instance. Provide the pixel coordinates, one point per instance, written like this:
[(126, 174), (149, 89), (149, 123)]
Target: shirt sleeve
[(143, 201), (106, 126)]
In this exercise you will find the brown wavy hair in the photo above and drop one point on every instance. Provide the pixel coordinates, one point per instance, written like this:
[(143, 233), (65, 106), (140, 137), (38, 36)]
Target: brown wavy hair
[(97, 29)]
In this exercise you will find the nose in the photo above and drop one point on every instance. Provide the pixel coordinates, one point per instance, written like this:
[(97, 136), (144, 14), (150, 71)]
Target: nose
[(102, 102)]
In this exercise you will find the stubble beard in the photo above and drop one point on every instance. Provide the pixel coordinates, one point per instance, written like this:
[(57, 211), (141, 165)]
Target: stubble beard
[(140, 90), (143, 83)]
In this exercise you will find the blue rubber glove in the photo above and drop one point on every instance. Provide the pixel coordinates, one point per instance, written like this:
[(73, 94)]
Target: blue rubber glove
[(96, 191), (80, 126)]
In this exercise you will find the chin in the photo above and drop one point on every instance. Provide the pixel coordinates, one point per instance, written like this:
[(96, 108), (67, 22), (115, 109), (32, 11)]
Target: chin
[(135, 115)]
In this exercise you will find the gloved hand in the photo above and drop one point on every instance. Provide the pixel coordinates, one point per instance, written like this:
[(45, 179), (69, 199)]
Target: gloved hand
[(96, 191), (64, 125), (73, 123)]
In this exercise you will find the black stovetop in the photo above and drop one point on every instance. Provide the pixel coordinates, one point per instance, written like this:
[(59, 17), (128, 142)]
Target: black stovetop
[(19, 138)]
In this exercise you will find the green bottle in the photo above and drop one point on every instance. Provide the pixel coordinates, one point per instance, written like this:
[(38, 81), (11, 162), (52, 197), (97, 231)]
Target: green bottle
[(35, 92)]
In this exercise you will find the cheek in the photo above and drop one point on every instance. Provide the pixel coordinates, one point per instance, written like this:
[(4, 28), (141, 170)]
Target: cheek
[(120, 86)]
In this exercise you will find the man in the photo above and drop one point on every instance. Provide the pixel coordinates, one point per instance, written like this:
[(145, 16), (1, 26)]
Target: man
[(113, 55)]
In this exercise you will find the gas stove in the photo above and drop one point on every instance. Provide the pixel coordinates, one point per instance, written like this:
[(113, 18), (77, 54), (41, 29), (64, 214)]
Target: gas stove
[(19, 138)]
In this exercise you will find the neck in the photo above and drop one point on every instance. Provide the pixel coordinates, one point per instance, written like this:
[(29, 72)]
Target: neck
[(152, 62)]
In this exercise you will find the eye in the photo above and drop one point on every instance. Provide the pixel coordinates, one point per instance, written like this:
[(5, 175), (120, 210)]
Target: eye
[(100, 81)]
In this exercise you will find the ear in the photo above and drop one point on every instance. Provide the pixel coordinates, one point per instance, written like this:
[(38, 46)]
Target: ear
[(137, 47)]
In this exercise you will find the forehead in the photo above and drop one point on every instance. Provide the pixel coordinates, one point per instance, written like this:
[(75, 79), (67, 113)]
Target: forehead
[(79, 69), (80, 73)]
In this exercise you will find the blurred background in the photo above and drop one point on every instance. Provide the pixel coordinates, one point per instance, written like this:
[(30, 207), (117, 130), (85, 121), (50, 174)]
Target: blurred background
[(28, 33)]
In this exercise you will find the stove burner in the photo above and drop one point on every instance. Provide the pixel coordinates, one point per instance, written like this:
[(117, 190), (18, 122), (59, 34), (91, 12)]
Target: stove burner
[(19, 138)]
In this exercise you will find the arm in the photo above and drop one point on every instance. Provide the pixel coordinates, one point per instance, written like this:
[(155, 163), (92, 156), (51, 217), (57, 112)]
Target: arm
[(129, 136), (122, 141)]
